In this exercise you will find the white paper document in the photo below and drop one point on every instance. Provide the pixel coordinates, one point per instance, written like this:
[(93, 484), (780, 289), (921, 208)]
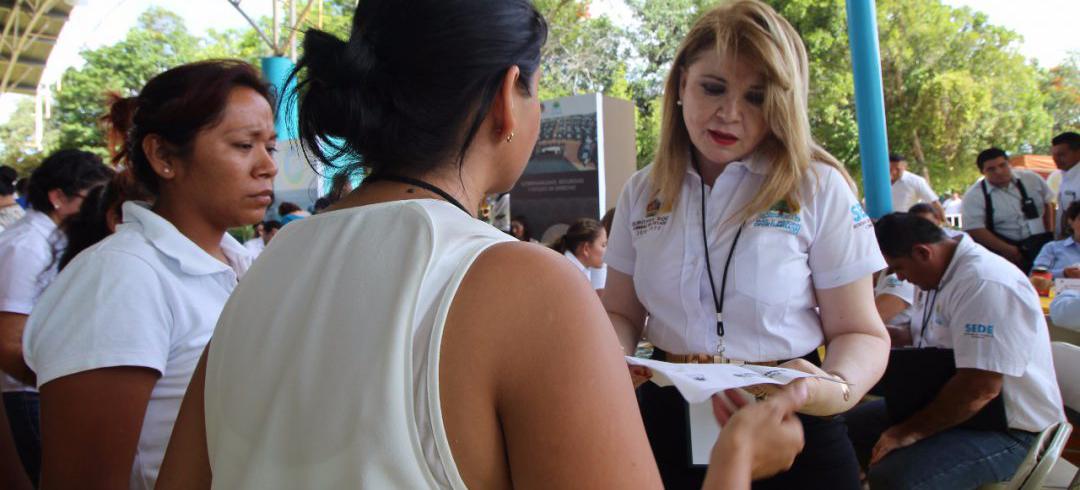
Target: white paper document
[(697, 383)]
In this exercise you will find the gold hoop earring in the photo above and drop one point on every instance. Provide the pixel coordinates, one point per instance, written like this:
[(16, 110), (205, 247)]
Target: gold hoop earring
[(510, 138)]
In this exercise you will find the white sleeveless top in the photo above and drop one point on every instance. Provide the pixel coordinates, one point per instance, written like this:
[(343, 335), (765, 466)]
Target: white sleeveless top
[(324, 368)]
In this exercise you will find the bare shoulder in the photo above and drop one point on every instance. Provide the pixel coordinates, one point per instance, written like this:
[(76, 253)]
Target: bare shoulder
[(531, 285), (526, 337)]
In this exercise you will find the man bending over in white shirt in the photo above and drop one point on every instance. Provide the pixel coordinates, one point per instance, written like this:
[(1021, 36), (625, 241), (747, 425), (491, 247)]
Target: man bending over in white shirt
[(994, 324)]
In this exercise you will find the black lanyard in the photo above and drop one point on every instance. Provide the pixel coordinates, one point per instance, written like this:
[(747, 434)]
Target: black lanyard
[(421, 184), (718, 301), (928, 314)]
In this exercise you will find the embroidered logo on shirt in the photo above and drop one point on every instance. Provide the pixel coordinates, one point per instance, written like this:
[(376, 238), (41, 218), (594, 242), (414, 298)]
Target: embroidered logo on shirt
[(653, 221), (778, 217), (892, 282), (979, 331), (652, 208), (859, 218)]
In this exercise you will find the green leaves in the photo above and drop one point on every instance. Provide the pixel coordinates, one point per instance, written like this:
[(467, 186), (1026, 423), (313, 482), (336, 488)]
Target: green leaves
[(954, 83)]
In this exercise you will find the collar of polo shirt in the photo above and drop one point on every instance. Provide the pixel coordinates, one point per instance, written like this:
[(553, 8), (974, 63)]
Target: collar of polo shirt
[(753, 162), (168, 240), (964, 245)]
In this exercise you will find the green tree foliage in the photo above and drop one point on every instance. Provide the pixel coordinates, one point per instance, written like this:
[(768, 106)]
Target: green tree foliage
[(17, 137), (159, 41), (954, 83), (584, 54), (1062, 87)]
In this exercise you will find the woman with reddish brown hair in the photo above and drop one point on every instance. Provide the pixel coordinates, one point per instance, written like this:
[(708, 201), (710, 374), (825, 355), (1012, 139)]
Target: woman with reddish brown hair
[(116, 337)]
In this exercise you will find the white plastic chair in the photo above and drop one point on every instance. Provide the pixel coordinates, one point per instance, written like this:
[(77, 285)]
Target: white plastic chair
[(1042, 456), (1067, 368)]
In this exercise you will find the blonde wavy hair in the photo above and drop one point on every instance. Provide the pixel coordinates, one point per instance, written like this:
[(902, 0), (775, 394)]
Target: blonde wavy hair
[(754, 31)]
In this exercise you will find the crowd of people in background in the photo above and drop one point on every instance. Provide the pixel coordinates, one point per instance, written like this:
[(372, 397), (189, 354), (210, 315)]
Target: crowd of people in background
[(744, 242)]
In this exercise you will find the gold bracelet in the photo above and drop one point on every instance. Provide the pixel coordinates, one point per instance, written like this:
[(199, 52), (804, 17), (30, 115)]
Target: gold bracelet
[(844, 386)]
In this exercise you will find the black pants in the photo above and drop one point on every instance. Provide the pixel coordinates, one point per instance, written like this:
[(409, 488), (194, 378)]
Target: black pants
[(827, 461), (22, 411)]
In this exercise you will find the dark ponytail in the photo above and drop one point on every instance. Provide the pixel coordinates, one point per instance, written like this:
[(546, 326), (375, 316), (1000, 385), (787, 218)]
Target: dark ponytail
[(583, 231), (116, 123), (409, 89)]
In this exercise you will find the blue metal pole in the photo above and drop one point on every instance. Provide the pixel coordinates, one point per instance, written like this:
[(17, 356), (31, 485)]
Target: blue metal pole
[(870, 106)]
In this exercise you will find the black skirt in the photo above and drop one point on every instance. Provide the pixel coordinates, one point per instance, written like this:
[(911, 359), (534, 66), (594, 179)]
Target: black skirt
[(827, 461)]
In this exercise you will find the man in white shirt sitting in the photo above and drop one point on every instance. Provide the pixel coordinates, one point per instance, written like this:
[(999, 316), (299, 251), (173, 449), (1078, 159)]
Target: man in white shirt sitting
[(987, 312), (909, 189), (1066, 152), (1008, 211)]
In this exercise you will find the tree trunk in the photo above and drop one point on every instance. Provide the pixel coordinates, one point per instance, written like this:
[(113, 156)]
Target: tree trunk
[(916, 147)]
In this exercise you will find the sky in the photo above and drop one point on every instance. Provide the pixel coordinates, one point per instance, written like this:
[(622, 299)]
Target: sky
[(1047, 26)]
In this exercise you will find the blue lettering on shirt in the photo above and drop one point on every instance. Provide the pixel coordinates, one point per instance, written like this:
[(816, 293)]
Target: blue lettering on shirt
[(858, 214), (978, 330)]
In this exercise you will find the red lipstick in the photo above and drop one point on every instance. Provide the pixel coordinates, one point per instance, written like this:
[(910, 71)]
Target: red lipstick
[(723, 139)]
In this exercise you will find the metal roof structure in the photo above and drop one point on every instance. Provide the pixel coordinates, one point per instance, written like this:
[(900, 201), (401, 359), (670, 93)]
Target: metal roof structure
[(30, 30)]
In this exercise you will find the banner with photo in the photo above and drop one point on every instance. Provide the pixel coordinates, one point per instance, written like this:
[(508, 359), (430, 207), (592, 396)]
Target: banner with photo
[(561, 182)]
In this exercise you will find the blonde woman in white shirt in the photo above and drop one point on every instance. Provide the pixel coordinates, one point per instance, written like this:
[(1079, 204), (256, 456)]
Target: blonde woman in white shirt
[(417, 347), (744, 242), (115, 338)]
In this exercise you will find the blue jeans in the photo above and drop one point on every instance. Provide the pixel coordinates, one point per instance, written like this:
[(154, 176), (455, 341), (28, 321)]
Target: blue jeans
[(953, 459), (23, 415)]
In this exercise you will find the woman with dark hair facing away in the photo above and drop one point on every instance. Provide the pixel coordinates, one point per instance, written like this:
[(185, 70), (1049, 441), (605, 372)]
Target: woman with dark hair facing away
[(403, 353), (10, 211), (583, 245), (116, 337), (100, 213), (27, 266)]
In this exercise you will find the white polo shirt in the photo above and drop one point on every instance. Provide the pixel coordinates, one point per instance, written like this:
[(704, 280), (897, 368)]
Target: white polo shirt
[(903, 290), (145, 296), (909, 190), (1009, 220), (255, 246), (994, 322), (29, 251), (780, 259), (1069, 192), (596, 276)]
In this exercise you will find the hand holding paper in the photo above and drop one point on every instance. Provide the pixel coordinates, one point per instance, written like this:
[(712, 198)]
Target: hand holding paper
[(698, 382)]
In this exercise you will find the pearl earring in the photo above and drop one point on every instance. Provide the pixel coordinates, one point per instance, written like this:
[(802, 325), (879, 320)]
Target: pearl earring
[(678, 103), (510, 138)]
